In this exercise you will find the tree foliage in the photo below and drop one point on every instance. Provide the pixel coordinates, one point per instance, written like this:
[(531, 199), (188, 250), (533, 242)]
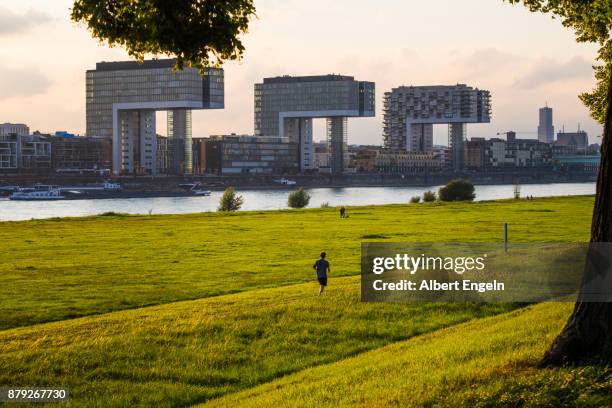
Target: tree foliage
[(230, 201), (415, 199), (592, 22), (198, 33), (457, 190), (429, 196), (298, 198)]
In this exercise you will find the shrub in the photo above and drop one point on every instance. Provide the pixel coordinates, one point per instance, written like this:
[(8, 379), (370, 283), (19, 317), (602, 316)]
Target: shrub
[(429, 197), (230, 201), (298, 198), (325, 204), (457, 190), (415, 199)]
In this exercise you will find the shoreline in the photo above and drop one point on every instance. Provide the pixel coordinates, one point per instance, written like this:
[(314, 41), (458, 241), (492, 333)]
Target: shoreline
[(131, 192), (267, 210)]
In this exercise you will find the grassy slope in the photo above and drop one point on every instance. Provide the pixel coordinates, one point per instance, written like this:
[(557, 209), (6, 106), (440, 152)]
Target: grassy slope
[(189, 352), (57, 269), (488, 362)]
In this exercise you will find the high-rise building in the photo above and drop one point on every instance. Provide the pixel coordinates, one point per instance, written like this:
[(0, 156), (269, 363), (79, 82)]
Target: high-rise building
[(411, 111), (285, 107), (546, 130), (122, 98)]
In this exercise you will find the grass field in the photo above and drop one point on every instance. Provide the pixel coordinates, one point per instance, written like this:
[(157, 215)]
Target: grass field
[(486, 363), (64, 268), (182, 353), (222, 310)]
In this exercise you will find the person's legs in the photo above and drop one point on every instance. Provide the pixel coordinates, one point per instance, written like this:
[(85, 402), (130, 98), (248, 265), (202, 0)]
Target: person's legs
[(322, 284)]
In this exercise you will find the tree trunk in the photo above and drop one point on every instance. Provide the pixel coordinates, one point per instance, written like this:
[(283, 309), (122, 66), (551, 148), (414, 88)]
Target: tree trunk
[(587, 336)]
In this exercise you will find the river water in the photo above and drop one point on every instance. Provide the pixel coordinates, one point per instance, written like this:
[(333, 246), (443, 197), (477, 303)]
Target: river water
[(265, 200)]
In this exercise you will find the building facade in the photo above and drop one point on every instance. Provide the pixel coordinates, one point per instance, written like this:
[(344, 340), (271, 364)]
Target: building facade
[(411, 111), (579, 139), (81, 153), (244, 154), (403, 162), (490, 154), (29, 154), (546, 130), (121, 101), (20, 129), (285, 107)]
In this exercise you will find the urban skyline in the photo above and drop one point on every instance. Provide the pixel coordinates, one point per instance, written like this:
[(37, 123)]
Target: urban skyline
[(521, 77)]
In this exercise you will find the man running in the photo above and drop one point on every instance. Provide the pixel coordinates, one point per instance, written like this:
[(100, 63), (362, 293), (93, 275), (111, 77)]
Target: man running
[(322, 267)]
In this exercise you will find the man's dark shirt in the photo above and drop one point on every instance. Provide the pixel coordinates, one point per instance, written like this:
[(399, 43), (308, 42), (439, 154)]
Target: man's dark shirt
[(321, 265)]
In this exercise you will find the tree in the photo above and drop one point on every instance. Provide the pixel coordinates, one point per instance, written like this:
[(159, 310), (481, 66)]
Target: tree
[(298, 198), (457, 190), (429, 196), (198, 32), (587, 335), (415, 199), (230, 201)]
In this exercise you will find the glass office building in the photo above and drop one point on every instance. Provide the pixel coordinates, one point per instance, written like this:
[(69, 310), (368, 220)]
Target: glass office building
[(121, 101), (285, 107)]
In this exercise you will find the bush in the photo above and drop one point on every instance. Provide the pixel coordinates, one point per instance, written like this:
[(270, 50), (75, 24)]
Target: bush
[(457, 190), (298, 198), (230, 201), (429, 197), (415, 200), (325, 204)]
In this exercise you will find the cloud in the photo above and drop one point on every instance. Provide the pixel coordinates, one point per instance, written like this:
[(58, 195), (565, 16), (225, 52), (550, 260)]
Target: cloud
[(22, 82), (486, 62), (550, 71), (12, 23)]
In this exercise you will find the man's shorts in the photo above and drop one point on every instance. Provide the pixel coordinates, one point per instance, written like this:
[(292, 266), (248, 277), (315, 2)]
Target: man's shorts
[(322, 281)]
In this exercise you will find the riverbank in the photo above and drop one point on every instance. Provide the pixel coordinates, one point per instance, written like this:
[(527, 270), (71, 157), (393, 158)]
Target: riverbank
[(168, 186), (266, 199)]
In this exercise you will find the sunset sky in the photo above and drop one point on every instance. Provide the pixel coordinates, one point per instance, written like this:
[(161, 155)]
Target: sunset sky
[(524, 59)]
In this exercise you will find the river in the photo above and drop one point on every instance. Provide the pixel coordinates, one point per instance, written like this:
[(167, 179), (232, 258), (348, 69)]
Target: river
[(265, 200)]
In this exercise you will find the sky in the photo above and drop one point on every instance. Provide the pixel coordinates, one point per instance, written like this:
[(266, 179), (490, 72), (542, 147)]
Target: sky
[(526, 60)]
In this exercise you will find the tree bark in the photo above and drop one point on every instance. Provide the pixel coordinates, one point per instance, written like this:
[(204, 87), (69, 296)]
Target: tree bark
[(587, 336)]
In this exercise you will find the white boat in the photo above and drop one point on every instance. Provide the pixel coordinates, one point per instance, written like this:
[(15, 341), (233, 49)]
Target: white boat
[(40, 192), (110, 185), (285, 182), (196, 190)]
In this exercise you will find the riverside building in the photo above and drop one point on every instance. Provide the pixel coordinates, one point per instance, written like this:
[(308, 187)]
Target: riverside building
[(411, 111), (123, 97), (285, 107)]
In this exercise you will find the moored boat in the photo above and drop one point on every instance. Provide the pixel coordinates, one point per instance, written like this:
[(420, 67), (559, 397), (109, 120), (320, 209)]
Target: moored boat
[(40, 192)]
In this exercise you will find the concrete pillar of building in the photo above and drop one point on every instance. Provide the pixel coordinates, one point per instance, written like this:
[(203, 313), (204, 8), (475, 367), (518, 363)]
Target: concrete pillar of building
[(456, 137), (299, 131), (337, 139), (128, 146), (179, 131), (148, 142), (419, 137)]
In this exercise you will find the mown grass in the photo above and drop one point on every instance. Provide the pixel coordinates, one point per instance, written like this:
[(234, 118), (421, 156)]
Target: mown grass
[(58, 269), (489, 362), (189, 352)]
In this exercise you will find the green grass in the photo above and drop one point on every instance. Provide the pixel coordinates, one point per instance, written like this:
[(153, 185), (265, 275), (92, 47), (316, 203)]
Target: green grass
[(188, 352), (485, 363), (58, 269), (172, 311)]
